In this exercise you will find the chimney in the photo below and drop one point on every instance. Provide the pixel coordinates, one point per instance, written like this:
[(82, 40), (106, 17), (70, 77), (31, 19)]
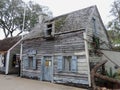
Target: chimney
[(43, 17)]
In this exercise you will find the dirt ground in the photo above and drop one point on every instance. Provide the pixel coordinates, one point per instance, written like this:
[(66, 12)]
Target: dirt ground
[(10, 82)]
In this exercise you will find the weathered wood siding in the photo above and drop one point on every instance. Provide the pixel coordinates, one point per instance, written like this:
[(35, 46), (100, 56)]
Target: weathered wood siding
[(63, 45), (42, 47), (79, 77), (29, 73), (101, 34), (28, 45), (68, 45), (100, 28)]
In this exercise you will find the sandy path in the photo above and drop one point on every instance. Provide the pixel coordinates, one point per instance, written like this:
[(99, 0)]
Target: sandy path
[(9, 82)]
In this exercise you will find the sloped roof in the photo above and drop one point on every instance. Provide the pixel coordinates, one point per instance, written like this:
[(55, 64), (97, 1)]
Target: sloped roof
[(69, 22), (37, 31), (73, 21), (7, 43)]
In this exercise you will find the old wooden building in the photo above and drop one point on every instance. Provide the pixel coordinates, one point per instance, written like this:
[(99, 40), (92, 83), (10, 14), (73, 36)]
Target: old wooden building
[(9, 53), (64, 48)]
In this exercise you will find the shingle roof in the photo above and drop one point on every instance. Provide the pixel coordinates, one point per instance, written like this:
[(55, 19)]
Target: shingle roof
[(36, 32), (7, 43), (68, 22), (74, 20)]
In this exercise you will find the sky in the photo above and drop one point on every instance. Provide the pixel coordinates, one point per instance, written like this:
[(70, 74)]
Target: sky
[(59, 7)]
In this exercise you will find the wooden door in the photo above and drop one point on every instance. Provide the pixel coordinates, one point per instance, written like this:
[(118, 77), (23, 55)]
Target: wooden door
[(47, 76)]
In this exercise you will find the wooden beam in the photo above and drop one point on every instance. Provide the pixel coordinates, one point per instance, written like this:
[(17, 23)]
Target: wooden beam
[(7, 62), (87, 57), (103, 77), (69, 31), (93, 73), (107, 78)]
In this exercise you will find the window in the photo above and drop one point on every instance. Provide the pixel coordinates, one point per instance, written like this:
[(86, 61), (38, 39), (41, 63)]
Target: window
[(48, 61), (16, 61), (30, 62), (67, 63), (94, 26), (49, 30)]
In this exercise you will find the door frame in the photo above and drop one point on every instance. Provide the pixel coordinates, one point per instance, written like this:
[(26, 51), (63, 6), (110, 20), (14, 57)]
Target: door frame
[(42, 67)]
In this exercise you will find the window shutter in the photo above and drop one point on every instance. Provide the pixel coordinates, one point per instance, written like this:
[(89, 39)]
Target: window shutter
[(34, 63), (60, 63), (74, 64), (26, 63)]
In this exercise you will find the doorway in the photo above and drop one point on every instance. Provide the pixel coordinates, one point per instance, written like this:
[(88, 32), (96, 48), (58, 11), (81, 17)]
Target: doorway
[(47, 68)]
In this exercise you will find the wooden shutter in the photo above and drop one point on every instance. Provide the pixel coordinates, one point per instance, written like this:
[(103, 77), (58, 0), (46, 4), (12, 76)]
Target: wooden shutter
[(60, 63), (74, 64), (34, 63), (26, 63)]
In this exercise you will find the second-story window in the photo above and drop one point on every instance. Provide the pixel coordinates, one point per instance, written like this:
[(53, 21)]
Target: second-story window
[(49, 30), (94, 26)]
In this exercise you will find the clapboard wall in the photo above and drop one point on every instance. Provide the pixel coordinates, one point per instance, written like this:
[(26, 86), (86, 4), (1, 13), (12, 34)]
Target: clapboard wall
[(67, 44)]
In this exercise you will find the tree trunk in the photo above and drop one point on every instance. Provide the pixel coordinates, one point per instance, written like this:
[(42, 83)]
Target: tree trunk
[(93, 73), (103, 77), (107, 78)]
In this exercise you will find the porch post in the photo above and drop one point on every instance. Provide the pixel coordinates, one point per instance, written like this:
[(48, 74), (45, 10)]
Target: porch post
[(41, 69), (7, 62), (21, 60)]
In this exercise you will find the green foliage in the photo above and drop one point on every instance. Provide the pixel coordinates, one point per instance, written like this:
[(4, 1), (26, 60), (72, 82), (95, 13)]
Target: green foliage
[(96, 42), (105, 83), (60, 22), (11, 15), (111, 74), (115, 11), (114, 37), (114, 25)]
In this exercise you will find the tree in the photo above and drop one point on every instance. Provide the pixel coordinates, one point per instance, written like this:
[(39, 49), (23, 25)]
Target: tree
[(114, 25), (115, 11), (11, 16)]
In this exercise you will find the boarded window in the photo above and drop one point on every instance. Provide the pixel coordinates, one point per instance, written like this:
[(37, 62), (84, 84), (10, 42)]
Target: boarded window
[(74, 64), (25, 62), (32, 62), (60, 63), (94, 26), (67, 63)]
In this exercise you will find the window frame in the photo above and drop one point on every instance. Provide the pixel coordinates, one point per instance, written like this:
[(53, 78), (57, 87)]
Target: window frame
[(49, 30), (62, 62), (27, 62), (95, 32), (68, 58)]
